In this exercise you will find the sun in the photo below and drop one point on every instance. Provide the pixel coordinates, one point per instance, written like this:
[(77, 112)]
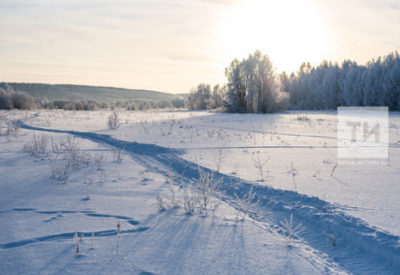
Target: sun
[(288, 31)]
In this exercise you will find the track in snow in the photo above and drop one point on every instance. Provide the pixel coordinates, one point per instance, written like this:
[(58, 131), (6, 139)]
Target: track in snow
[(359, 248)]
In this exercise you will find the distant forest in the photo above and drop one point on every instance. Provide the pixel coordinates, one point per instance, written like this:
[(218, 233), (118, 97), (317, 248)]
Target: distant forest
[(253, 86), (79, 97)]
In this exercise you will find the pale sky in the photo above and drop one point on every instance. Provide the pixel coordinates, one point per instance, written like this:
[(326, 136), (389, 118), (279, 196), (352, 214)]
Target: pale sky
[(173, 45)]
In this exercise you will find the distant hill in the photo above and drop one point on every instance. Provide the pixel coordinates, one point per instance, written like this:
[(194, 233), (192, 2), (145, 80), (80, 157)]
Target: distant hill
[(69, 92)]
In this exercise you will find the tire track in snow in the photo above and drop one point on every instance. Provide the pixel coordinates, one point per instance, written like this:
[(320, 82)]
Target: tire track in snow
[(360, 247)]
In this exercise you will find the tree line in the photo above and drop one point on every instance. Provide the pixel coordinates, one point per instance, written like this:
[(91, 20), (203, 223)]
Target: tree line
[(253, 86), (15, 99)]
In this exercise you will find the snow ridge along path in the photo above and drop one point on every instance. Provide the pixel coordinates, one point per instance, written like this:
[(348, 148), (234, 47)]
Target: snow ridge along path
[(348, 241)]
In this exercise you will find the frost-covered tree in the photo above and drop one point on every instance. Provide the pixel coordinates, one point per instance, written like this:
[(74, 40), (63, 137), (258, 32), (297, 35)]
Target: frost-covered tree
[(252, 85), (330, 85), (236, 94), (215, 100), (199, 97)]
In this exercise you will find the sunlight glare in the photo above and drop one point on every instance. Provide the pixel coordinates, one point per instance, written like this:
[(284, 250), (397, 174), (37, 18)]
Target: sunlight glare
[(288, 31)]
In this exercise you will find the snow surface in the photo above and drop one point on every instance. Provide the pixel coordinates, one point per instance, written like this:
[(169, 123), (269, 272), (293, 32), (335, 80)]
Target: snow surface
[(350, 217)]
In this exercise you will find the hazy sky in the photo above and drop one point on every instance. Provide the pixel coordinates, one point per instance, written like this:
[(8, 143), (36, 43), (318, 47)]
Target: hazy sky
[(172, 45)]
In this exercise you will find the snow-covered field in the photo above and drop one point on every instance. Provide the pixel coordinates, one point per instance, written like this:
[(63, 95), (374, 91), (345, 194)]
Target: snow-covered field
[(347, 216)]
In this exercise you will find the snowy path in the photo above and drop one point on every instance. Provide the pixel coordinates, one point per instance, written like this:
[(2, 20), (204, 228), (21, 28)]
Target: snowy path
[(359, 249)]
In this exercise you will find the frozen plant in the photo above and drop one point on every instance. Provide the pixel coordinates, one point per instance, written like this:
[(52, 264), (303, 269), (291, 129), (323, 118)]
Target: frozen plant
[(259, 165), (160, 200), (189, 199), (103, 176), (207, 187), (172, 193), (113, 121), (245, 203), (293, 172), (60, 169), (118, 235), (92, 240), (117, 157), (74, 155), (290, 230), (57, 147), (77, 247), (98, 161), (170, 179), (302, 118), (13, 129), (37, 146), (88, 182), (219, 159)]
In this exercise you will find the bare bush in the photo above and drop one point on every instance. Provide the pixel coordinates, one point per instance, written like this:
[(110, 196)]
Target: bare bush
[(22, 101), (113, 121), (160, 198), (60, 169), (259, 165), (77, 247), (74, 155), (207, 187), (245, 204), (291, 231), (5, 100), (190, 199), (57, 147), (12, 129), (117, 157), (37, 146), (98, 161), (218, 160), (118, 235)]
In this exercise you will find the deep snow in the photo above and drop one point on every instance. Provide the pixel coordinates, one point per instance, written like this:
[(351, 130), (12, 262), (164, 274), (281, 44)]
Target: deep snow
[(351, 218)]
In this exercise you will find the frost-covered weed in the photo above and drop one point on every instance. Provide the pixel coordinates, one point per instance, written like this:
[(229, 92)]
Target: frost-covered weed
[(117, 156), (290, 230), (245, 204), (37, 146), (259, 165), (207, 187), (98, 161), (60, 169), (113, 121)]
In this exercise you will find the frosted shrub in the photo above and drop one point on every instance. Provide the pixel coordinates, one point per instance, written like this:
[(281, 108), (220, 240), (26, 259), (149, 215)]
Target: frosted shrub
[(259, 165), (290, 230), (172, 195), (60, 169), (207, 187), (13, 129), (218, 160), (23, 101), (77, 246), (113, 121), (74, 155), (245, 204), (190, 199), (37, 146), (98, 161), (302, 118), (160, 198), (56, 147), (117, 157), (118, 235)]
